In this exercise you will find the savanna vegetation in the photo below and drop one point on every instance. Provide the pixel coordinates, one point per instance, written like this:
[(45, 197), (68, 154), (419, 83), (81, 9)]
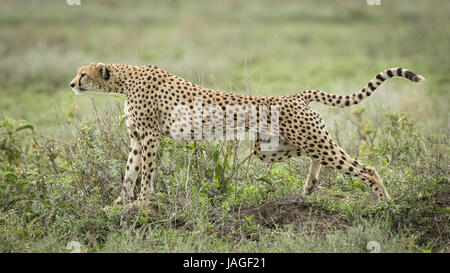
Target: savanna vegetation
[(62, 157)]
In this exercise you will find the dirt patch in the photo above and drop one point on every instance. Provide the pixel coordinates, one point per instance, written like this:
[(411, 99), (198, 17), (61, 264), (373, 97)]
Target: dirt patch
[(295, 212)]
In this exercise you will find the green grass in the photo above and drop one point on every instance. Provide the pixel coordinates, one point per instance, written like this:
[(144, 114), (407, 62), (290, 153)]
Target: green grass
[(58, 180)]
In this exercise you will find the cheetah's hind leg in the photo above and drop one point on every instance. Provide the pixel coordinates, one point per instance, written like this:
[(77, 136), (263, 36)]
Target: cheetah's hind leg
[(341, 161)]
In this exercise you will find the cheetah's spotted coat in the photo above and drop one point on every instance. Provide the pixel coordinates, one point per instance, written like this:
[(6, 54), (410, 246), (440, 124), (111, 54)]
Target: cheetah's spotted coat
[(152, 93)]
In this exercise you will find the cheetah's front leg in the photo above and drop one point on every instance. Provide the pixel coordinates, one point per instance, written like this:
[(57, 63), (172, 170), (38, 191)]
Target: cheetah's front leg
[(133, 166), (150, 142)]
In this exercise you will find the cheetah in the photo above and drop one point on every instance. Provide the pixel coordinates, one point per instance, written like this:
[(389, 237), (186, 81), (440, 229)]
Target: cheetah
[(155, 100)]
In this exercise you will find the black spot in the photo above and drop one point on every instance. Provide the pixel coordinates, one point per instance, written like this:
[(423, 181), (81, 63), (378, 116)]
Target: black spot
[(390, 74), (379, 77), (410, 75)]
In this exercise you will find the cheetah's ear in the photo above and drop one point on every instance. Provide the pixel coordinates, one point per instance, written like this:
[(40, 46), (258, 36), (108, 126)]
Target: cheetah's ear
[(103, 70)]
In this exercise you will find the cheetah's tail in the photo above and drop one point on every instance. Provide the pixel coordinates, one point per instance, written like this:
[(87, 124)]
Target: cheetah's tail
[(345, 101)]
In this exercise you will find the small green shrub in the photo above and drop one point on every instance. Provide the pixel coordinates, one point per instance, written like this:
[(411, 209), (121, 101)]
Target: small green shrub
[(214, 197)]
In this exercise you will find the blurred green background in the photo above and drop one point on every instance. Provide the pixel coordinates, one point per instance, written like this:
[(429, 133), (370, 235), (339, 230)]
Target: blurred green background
[(257, 47), (62, 167)]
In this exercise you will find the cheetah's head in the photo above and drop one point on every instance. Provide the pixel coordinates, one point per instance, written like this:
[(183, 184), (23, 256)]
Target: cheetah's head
[(93, 77)]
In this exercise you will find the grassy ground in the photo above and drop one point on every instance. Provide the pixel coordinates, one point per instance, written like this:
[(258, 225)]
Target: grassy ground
[(60, 169)]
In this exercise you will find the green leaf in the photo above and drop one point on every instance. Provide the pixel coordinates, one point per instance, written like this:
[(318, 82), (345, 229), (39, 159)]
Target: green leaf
[(10, 177), (25, 126), (216, 155), (225, 163), (218, 172)]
